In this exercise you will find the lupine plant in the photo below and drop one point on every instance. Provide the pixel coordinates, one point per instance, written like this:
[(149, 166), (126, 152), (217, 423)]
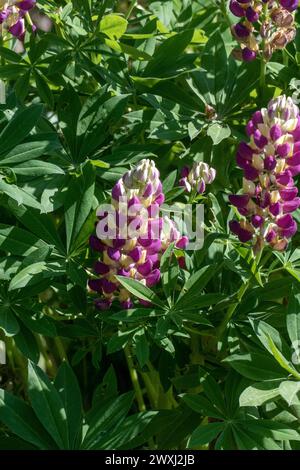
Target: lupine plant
[(149, 225)]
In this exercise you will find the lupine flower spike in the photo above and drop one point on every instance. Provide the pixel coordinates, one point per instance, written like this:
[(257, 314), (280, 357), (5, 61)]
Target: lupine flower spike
[(264, 26), (197, 178), (134, 257), (270, 161), (13, 14)]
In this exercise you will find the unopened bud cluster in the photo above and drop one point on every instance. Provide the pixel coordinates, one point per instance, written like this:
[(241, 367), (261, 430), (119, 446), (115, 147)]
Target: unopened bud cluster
[(197, 178)]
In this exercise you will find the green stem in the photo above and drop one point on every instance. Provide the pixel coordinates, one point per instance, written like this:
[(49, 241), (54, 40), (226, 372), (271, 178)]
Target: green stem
[(44, 351), (131, 8), (241, 292), (28, 18), (60, 349), (151, 392), (263, 62), (224, 11), (262, 78), (196, 356), (18, 360), (221, 329), (134, 379)]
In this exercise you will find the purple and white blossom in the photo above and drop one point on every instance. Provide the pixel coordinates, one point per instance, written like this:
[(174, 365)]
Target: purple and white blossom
[(13, 14), (197, 178), (264, 26), (269, 160), (133, 257)]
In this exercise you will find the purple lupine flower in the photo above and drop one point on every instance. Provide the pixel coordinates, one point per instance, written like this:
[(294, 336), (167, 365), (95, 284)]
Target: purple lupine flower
[(197, 177), (13, 16), (18, 29), (267, 200), (261, 31), (26, 5), (136, 257)]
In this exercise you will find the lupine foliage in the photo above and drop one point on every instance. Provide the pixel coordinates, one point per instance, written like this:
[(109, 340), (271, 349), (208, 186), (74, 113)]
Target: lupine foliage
[(147, 344)]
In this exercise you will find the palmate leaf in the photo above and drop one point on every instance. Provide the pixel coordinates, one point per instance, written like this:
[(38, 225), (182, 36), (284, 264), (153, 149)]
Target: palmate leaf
[(109, 416), (260, 393), (8, 322), (35, 273), (39, 224), (130, 434), (256, 366), (293, 317), (208, 83), (67, 386), (29, 151), (113, 26), (78, 203), (18, 241), (205, 434), (290, 391), (194, 286), (27, 344), (163, 62), (18, 195), (19, 127), (48, 405), (21, 420), (140, 291)]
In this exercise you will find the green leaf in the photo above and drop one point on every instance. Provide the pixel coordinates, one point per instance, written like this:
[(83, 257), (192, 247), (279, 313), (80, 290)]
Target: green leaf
[(28, 151), (8, 321), (209, 82), (140, 291), (107, 419), (48, 405), (21, 420), (18, 195), (169, 181), (290, 392), (43, 89), (256, 366), (260, 393), (37, 223), (19, 127), (34, 273), (272, 429), (169, 272), (285, 364), (37, 168), (265, 333), (10, 55), (135, 315), (218, 132), (26, 343), (18, 241), (22, 86), (166, 57), (195, 284), (67, 386), (204, 434), (293, 317), (113, 26), (202, 405), (204, 300), (118, 341), (141, 347), (78, 203)]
